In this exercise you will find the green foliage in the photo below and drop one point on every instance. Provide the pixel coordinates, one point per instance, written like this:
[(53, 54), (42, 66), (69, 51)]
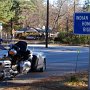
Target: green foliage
[(20, 12), (9, 10), (16, 7), (70, 38), (5, 10), (29, 5)]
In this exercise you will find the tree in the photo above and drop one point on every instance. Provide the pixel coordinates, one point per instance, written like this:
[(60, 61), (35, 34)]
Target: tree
[(60, 12), (28, 9), (32, 13), (5, 10), (65, 11), (16, 8), (41, 13), (9, 13)]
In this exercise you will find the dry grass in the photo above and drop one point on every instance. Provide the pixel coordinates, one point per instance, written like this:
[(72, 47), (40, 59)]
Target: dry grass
[(55, 83)]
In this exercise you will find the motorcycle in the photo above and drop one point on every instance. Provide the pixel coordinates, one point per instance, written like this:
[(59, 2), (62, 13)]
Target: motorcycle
[(16, 62)]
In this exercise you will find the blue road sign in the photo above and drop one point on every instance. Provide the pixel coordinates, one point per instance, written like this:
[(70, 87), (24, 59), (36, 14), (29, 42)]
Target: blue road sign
[(82, 23)]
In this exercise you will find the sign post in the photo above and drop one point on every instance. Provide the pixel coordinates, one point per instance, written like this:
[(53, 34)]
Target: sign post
[(82, 26), (89, 69)]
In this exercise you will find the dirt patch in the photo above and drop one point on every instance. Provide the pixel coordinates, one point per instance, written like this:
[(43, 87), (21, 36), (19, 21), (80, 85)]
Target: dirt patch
[(54, 83)]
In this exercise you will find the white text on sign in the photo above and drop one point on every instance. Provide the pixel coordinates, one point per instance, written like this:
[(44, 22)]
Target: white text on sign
[(81, 17)]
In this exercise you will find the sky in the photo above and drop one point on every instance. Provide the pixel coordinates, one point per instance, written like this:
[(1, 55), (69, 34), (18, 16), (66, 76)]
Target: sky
[(51, 1)]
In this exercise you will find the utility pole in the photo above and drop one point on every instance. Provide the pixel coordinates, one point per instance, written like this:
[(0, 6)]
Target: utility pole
[(74, 6), (47, 24), (11, 28)]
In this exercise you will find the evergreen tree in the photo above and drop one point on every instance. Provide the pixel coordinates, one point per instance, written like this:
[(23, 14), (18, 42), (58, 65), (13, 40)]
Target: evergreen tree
[(16, 8), (5, 10)]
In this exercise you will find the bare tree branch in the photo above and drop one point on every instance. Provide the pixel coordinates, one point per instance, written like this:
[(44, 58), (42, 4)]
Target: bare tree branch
[(59, 13)]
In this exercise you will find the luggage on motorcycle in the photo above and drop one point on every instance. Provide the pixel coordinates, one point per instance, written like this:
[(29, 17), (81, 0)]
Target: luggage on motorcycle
[(22, 45)]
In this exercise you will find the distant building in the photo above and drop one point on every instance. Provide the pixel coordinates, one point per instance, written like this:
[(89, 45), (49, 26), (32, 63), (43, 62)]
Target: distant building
[(32, 30)]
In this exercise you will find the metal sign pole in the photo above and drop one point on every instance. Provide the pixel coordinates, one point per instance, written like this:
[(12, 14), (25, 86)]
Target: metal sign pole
[(78, 52), (89, 69), (80, 27)]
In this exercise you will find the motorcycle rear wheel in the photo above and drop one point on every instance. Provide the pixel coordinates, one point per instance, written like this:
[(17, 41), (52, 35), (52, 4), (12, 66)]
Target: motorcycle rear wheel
[(34, 63)]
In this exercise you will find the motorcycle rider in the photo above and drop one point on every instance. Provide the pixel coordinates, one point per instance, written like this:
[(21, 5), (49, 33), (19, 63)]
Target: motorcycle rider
[(21, 52)]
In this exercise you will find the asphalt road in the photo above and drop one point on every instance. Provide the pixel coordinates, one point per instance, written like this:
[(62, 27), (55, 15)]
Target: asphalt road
[(60, 60)]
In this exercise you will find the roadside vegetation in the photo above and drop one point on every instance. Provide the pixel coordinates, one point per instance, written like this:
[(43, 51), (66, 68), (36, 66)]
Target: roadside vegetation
[(71, 39)]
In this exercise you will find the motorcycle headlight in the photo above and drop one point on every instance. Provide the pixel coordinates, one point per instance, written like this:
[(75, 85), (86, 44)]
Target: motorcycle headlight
[(12, 52)]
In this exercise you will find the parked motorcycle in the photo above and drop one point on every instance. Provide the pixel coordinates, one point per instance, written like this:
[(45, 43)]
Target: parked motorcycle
[(18, 61)]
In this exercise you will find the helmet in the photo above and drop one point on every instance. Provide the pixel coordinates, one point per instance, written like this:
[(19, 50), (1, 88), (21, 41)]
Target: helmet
[(12, 52)]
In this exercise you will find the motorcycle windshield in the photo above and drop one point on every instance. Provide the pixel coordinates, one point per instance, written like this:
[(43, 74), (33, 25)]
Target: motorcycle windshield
[(3, 51)]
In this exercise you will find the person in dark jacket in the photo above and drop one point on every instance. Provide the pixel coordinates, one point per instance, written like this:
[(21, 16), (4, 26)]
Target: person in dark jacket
[(22, 45), (22, 49), (22, 52)]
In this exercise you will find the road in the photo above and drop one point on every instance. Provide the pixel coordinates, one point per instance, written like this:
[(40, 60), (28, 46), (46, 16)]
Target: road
[(60, 60)]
